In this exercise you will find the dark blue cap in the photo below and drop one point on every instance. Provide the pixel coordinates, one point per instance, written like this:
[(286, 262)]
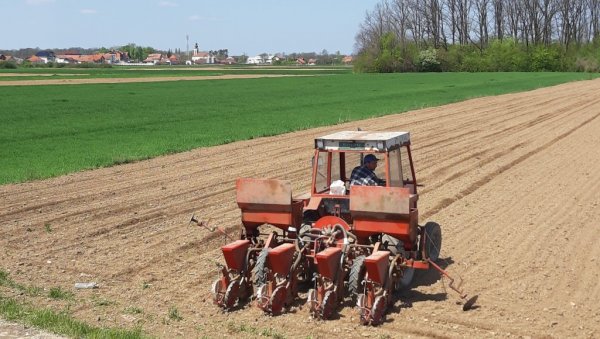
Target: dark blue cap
[(369, 157)]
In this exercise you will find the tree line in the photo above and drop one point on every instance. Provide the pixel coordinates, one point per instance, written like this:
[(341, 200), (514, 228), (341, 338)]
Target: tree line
[(480, 35)]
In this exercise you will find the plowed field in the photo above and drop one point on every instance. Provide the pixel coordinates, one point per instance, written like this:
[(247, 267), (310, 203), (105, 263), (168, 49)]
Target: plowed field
[(514, 180)]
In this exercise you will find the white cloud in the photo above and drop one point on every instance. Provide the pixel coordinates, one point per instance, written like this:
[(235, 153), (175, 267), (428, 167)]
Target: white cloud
[(88, 11), (196, 17), (167, 4), (38, 2)]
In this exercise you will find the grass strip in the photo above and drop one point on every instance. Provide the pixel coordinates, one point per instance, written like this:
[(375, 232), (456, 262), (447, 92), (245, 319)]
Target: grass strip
[(57, 322), (6, 281)]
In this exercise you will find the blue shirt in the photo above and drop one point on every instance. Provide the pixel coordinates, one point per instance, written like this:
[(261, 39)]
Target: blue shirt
[(363, 176)]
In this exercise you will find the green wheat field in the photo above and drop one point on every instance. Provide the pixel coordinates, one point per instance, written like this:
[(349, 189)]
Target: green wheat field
[(50, 130)]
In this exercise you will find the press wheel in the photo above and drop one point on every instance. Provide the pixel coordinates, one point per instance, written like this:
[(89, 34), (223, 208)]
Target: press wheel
[(278, 300), (329, 304), (231, 294), (378, 310)]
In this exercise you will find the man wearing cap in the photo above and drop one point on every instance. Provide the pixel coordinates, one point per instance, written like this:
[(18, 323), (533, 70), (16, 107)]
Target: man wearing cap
[(364, 175)]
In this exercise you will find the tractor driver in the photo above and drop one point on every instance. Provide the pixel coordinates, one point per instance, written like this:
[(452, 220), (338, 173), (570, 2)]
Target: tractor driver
[(364, 175)]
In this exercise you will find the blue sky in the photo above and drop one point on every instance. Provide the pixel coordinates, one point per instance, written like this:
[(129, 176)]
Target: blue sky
[(250, 27)]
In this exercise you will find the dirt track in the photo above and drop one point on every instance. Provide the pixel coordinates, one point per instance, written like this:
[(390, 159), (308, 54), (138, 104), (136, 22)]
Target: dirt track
[(144, 79), (514, 181)]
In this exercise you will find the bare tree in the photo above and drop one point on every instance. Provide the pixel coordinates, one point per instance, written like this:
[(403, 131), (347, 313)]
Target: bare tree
[(482, 9), (437, 22), (462, 11), (513, 15), (594, 13), (571, 14), (372, 29), (499, 18), (398, 12)]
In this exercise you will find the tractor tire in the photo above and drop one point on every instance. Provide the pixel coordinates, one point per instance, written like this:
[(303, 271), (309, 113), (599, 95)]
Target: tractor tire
[(407, 276), (304, 229), (395, 247), (357, 274), (260, 274), (433, 240)]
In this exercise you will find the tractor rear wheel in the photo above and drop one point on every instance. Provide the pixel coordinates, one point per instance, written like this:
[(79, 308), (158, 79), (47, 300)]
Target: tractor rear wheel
[(357, 275), (433, 240)]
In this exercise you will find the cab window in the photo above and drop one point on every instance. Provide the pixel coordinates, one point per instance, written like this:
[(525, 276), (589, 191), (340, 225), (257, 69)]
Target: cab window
[(324, 176), (395, 168)]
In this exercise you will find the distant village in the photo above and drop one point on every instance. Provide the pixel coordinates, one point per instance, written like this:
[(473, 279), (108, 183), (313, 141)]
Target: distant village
[(197, 57)]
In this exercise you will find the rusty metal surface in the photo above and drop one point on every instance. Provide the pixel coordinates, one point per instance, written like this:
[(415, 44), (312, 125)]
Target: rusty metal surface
[(385, 200), (377, 266), (328, 262), (330, 221), (263, 192), (235, 253), (280, 258)]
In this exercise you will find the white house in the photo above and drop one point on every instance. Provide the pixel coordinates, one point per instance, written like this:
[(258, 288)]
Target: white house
[(272, 58), (255, 60), (269, 59), (46, 56)]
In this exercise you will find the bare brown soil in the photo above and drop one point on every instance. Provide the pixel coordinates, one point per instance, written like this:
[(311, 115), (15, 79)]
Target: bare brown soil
[(34, 74), (10, 330), (144, 79), (514, 180), (224, 68)]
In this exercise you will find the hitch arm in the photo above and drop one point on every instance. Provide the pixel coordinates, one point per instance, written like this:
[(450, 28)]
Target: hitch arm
[(458, 288)]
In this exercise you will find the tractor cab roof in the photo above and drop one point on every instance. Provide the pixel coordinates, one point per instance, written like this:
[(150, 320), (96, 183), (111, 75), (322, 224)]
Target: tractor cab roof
[(362, 141)]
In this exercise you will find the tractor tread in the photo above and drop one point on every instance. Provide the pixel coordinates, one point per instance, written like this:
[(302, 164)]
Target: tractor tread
[(260, 275), (355, 278)]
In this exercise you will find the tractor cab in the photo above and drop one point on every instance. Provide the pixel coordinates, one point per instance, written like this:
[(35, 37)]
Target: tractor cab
[(337, 155)]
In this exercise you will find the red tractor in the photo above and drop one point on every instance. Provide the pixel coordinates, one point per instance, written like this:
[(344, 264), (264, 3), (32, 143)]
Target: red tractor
[(362, 242)]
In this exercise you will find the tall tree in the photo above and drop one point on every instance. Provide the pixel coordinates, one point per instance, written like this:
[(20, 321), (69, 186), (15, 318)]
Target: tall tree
[(499, 18)]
